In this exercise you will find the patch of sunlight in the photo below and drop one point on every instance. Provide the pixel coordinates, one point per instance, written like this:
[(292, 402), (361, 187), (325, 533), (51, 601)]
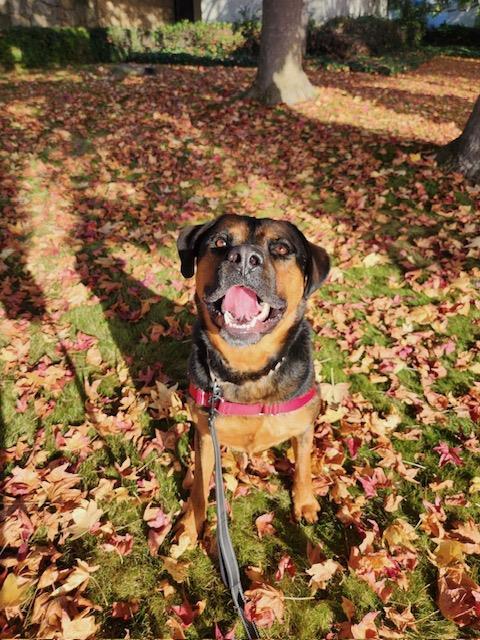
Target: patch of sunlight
[(119, 191), (335, 106)]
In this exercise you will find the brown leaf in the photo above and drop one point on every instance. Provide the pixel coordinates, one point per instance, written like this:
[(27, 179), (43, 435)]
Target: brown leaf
[(459, 597)]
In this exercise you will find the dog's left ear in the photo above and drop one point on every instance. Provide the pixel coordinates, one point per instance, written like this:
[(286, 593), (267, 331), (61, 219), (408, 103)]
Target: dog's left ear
[(188, 243), (318, 266)]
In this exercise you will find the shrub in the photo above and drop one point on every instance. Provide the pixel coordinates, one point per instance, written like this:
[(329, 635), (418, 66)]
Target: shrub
[(368, 35), (41, 47), (249, 27), (198, 38), (453, 35)]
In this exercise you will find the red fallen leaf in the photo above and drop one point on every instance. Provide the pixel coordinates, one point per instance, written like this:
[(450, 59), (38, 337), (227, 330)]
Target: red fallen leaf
[(371, 482), (264, 606), (22, 403), (348, 608), (22, 481), (123, 545), (285, 565), (125, 610), (459, 597), (264, 525), (160, 525), (353, 445), (187, 613), (230, 635), (314, 553), (16, 529), (448, 454)]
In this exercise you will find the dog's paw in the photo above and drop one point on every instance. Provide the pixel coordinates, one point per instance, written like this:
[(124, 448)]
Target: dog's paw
[(306, 508)]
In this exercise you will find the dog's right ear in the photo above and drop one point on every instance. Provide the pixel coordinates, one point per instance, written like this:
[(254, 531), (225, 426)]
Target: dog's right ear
[(188, 243)]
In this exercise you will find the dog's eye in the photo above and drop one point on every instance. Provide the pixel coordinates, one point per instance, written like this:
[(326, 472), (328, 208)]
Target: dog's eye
[(280, 249), (219, 242)]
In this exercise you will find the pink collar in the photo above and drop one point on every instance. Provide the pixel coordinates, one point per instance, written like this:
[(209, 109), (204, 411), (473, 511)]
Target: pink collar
[(202, 398)]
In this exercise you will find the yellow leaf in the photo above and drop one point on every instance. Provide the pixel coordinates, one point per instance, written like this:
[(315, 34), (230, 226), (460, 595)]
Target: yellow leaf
[(178, 570), (184, 542), (424, 314), (13, 592), (77, 579), (322, 572), (449, 552), (79, 628), (334, 393), (84, 518), (373, 259), (475, 485), (333, 415), (230, 482), (94, 357), (400, 534)]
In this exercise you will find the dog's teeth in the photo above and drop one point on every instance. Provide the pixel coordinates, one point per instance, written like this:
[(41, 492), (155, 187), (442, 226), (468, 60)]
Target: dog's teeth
[(264, 312), (231, 321)]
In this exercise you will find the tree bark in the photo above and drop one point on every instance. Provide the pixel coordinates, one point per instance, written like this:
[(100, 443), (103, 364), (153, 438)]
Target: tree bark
[(280, 76), (463, 153)]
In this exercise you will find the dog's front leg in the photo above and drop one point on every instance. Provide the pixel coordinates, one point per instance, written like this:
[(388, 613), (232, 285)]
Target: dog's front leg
[(194, 518), (304, 502)]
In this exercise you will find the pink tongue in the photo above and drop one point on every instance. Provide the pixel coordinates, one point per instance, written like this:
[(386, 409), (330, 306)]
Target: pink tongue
[(241, 302)]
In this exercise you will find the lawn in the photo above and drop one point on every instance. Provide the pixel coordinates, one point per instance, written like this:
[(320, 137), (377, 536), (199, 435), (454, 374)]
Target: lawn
[(97, 177)]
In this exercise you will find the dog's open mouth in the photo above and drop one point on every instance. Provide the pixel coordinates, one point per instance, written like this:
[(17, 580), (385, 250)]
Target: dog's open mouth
[(241, 311)]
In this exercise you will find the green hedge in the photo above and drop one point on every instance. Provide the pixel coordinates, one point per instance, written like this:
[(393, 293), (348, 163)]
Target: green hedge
[(38, 47), (32, 47)]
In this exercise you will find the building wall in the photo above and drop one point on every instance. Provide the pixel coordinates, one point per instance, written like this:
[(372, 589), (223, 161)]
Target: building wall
[(86, 13), (319, 10), (149, 13)]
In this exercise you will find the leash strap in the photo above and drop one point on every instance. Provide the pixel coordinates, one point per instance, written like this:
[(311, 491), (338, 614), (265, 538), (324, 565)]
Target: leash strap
[(227, 559)]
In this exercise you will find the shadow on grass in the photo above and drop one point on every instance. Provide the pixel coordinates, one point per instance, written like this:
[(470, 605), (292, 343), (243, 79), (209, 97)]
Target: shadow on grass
[(134, 312), (21, 297)]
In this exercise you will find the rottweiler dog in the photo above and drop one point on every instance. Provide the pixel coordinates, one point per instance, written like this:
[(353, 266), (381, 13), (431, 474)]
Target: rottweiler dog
[(253, 277)]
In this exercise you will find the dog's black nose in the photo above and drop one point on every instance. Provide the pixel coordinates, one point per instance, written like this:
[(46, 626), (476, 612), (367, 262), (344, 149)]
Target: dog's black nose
[(246, 257)]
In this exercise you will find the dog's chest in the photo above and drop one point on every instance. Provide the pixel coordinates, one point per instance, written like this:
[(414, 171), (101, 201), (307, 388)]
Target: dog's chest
[(257, 433)]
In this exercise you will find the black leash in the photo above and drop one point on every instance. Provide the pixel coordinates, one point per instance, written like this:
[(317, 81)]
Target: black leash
[(226, 555)]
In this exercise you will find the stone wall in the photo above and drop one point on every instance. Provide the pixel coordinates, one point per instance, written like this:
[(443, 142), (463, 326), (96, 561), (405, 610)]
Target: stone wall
[(86, 13)]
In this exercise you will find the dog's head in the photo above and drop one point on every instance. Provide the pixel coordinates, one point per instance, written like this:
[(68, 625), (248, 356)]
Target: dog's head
[(252, 275)]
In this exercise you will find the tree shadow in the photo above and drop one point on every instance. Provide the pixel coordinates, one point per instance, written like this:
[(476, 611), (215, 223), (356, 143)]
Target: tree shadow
[(22, 299), (145, 326), (438, 109)]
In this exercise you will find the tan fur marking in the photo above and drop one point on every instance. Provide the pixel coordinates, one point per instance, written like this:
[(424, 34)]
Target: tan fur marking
[(257, 433), (254, 357)]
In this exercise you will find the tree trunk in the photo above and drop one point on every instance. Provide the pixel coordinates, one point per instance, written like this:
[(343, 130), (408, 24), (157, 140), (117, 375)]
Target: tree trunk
[(463, 153), (280, 77)]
